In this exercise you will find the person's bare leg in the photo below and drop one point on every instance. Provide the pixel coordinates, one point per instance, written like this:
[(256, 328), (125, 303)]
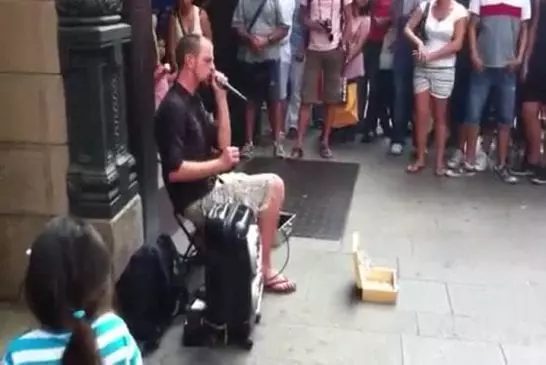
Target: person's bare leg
[(533, 131), (471, 140), (327, 128), (267, 223), (303, 122), (420, 130), (503, 141), (250, 119), (274, 109), (439, 110)]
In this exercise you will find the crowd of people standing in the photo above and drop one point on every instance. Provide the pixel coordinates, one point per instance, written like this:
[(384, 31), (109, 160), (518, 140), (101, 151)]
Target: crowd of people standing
[(452, 72)]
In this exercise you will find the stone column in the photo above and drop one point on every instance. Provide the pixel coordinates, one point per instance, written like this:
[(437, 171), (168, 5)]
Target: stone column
[(33, 138), (102, 179)]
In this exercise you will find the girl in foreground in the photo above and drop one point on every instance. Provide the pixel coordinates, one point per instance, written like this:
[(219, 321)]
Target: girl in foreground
[(68, 288)]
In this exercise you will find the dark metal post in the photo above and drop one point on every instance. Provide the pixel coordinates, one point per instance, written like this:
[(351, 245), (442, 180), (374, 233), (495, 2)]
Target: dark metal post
[(101, 175), (140, 61)]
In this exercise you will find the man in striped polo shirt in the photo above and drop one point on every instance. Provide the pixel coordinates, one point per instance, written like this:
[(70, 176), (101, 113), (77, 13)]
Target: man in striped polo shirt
[(497, 38)]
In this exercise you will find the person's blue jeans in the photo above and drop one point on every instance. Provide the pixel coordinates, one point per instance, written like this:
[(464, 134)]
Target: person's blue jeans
[(402, 69), (482, 84)]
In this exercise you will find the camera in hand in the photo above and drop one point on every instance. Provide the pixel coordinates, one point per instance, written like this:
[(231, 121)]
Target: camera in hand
[(326, 24)]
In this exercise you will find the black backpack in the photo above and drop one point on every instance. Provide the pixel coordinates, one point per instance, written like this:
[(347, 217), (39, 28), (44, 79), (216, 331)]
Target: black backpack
[(152, 292)]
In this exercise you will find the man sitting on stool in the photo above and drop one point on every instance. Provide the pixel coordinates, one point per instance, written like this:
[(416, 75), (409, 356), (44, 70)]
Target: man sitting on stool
[(196, 153)]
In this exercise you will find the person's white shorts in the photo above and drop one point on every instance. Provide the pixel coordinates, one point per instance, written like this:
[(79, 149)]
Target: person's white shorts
[(438, 81)]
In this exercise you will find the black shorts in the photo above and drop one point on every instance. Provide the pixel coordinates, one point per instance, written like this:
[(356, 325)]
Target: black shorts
[(533, 89), (259, 80)]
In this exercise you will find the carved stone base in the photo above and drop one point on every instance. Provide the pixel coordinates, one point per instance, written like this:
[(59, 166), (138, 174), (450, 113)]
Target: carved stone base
[(123, 234)]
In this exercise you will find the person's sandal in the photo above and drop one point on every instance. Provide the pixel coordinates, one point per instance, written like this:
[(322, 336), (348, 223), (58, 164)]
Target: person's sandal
[(297, 153), (440, 172), (325, 151), (415, 168), (279, 284)]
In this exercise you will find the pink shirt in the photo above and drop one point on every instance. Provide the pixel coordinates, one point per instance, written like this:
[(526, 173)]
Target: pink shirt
[(361, 28), (325, 10)]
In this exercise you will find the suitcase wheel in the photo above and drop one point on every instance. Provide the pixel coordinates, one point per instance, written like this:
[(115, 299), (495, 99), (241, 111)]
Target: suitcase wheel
[(247, 344), (258, 318)]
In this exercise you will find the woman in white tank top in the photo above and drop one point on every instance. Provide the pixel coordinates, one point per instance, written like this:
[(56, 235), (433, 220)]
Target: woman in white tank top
[(186, 18)]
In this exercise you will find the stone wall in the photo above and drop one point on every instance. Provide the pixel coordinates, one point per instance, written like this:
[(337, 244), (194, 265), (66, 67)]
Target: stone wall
[(33, 137)]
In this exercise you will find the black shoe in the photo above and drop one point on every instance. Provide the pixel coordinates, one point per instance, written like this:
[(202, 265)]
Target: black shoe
[(539, 177), (524, 169)]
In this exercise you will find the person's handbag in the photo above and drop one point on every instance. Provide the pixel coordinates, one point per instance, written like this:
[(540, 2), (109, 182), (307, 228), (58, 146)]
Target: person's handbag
[(346, 114)]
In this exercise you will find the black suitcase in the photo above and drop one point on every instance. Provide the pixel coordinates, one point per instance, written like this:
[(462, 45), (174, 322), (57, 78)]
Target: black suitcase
[(225, 313)]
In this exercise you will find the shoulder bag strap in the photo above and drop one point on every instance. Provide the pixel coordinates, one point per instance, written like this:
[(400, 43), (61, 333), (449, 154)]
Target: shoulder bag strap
[(256, 16)]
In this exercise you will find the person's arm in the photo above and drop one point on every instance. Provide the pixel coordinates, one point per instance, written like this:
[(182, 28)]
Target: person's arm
[(474, 9), (356, 48), (170, 135), (206, 28), (532, 29), (305, 16), (347, 21), (284, 22), (171, 39), (523, 35), (413, 21), (223, 123), (238, 24), (456, 42)]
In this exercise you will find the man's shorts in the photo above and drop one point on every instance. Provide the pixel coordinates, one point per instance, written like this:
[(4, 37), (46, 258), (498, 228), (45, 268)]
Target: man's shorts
[(437, 81), (329, 65), (482, 84), (234, 187), (533, 89), (265, 81)]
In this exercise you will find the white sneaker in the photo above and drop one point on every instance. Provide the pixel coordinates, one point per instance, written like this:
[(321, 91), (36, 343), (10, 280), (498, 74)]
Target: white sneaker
[(482, 161), (396, 149), (456, 160)]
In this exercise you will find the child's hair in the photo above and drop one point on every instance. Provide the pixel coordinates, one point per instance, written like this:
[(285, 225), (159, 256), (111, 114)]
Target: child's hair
[(68, 283)]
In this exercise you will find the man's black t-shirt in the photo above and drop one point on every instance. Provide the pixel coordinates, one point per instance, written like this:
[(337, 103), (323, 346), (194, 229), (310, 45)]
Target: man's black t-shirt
[(184, 131)]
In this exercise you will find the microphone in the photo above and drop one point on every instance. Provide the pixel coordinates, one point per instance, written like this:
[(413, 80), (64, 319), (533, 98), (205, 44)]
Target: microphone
[(222, 81)]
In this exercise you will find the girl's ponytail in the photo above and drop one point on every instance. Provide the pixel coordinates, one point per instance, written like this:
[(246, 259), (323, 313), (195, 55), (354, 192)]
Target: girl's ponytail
[(82, 347)]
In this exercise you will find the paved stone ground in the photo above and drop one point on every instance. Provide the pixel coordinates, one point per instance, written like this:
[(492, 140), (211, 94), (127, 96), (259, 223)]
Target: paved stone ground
[(470, 255)]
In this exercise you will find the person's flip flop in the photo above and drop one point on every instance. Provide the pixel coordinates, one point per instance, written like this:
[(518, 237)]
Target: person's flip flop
[(279, 284), (415, 168), (325, 151)]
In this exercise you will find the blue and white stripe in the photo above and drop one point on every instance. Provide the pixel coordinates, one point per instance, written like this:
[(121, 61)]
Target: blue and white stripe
[(39, 347)]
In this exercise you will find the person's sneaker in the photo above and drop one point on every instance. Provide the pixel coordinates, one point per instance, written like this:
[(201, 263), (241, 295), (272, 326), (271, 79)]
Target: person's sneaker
[(482, 161), (524, 169), (278, 150), (464, 169), (539, 177), (396, 149), (456, 160), (504, 174), (247, 151)]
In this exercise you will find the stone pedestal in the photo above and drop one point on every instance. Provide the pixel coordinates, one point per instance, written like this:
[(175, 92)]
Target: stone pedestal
[(63, 136)]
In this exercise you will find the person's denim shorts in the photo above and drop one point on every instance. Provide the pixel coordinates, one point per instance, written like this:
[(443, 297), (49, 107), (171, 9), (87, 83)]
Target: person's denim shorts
[(482, 84)]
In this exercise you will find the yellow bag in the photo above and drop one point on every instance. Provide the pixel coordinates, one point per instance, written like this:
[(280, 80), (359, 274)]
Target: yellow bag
[(346, 114)]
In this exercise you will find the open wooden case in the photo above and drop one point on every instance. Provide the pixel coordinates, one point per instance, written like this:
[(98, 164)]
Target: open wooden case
[(376, 284)]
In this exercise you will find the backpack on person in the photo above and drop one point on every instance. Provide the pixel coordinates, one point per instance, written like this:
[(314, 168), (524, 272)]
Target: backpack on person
[(152, 291)]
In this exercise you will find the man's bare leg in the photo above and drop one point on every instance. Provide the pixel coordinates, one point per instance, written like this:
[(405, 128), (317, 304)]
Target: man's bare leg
[(267, 222)]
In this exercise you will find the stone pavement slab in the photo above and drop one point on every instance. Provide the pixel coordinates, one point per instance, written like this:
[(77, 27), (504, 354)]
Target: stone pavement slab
[(430, 351)]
